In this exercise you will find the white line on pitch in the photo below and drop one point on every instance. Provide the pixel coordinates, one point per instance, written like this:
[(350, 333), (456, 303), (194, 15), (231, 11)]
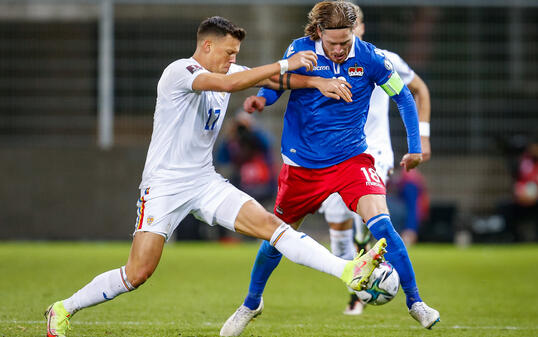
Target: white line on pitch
[(439, 327)]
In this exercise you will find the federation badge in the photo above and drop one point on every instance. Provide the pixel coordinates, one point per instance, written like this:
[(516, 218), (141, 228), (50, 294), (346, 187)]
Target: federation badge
[(194, 68), (150, 220), (355, 71)]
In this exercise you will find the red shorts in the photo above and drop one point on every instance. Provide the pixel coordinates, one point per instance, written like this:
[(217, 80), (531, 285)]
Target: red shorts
[(302, 190)]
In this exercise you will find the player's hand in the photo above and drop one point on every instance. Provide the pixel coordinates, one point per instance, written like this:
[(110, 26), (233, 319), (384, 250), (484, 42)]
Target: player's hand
[(254, 103), (301, 59), (334, 88), (426, 148), (411, 160)]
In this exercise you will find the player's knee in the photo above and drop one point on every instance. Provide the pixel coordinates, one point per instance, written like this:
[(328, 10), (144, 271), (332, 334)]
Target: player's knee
[(139, 276)]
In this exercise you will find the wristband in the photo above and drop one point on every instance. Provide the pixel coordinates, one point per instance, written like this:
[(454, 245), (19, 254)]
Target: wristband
[(424, 129), (283, 66)]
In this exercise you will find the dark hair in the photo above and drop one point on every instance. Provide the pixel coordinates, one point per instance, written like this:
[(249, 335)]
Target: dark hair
[(219, 26), (330, 15)]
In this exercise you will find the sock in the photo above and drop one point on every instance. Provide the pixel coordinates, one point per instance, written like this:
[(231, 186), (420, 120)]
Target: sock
[(381, 227), (342, 243), (102, 288), (302, 249), (267, 260)]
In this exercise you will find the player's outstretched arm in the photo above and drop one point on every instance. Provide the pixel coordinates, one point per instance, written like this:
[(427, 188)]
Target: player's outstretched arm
[(248, 78), (421, 93), (329, 87)]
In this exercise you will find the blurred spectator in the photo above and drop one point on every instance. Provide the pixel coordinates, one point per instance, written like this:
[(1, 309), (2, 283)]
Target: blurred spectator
[(247, 149), (409, 203), (526, 185), (521, 214)]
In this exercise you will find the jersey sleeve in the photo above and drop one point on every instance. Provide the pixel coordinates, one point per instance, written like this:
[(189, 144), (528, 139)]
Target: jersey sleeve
[(406, 73), (182, 73), (235, 68)]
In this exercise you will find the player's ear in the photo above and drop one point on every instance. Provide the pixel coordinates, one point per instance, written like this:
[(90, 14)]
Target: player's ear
[(207, 45)]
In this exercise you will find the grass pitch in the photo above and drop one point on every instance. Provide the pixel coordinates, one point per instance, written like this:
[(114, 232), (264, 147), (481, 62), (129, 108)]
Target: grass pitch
[(480, 291)]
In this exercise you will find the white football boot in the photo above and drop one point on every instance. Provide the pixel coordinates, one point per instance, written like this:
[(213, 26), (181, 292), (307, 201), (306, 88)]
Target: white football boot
[(236, 323), (425, 315)]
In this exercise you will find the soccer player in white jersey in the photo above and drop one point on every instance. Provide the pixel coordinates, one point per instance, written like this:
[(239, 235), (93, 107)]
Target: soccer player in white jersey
[(179, 177), (340, 219)]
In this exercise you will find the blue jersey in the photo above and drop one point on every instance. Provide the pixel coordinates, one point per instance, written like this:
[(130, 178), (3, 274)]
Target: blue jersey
[(320, 131)]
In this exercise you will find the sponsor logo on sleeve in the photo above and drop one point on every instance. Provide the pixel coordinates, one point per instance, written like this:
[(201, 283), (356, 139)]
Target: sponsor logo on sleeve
[(194, 68), (291, 50), (388, 65), (355, 71)]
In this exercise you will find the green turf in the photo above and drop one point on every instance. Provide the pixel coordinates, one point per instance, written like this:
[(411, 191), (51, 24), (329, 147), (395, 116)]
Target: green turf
[(480, 291)]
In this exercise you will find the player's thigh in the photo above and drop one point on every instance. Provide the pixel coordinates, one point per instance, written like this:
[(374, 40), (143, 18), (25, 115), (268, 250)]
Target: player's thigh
[(335, 210), (254, 220), (301, 191), (220, 203), (359, 180), (371, 205)]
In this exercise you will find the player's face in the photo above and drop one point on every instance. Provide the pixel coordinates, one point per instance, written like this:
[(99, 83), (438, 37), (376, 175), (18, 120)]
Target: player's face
[(337, 43), (223, 53)]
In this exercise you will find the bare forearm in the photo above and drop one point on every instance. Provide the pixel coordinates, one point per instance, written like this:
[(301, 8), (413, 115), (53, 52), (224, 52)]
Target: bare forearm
[(246, 79), (236, 81), (290, 81), (421, 94)]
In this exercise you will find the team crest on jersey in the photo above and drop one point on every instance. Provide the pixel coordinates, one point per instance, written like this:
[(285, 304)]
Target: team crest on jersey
[(194, 68), (355, 71)]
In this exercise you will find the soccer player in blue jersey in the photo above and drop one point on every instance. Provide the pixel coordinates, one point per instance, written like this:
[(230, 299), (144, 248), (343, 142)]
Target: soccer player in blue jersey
[(323, 146)]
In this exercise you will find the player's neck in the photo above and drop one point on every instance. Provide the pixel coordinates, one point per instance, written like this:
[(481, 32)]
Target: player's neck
[(198, 56)]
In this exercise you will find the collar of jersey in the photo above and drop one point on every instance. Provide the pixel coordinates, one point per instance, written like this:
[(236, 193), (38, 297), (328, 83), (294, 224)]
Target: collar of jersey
[(320, 51)]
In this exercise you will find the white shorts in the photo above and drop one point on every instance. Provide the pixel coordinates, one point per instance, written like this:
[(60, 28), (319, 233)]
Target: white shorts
[(335, 210), (212, 200)]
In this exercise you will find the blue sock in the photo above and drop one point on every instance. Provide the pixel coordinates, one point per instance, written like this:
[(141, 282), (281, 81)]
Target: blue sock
[(266, 261), (381, 227)]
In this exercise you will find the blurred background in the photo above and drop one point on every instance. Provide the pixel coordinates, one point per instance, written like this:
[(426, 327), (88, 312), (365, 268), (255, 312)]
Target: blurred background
[(78, 87)]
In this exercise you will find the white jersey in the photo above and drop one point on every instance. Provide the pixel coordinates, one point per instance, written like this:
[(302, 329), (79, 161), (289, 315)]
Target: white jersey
[(377, 129), (185, 126)]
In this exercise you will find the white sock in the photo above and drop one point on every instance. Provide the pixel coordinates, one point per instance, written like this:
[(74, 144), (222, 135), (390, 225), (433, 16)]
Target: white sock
[(342, 243), (302, 249), (102, 288)]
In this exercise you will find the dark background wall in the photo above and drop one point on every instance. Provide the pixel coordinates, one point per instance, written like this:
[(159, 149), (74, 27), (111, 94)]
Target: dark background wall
[(480, 64)]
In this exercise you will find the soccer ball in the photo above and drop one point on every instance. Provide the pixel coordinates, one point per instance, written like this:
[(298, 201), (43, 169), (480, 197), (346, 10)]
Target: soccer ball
[(382, 285)]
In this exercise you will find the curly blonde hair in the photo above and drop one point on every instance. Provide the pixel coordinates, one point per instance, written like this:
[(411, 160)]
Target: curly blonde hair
[(330, 15)]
